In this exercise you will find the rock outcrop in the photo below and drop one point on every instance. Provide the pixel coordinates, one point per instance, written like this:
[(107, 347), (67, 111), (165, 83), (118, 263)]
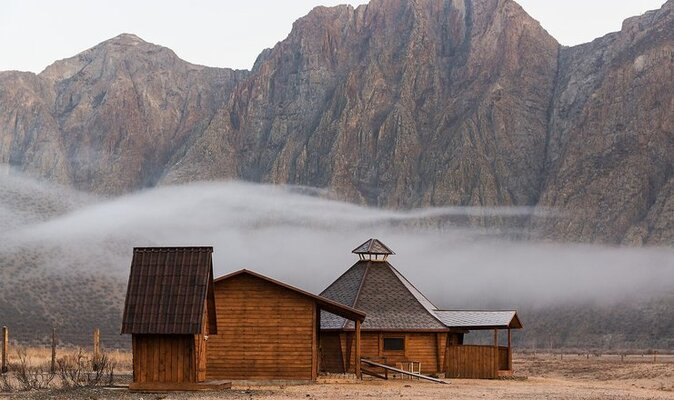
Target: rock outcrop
[(396, 104), (110, 119)]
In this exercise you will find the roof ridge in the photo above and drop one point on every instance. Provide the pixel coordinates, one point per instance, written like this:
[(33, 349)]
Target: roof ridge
[(360, 289), (404, 280)]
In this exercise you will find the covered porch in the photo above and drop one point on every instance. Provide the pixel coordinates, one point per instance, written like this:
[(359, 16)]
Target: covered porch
[(480, 361)]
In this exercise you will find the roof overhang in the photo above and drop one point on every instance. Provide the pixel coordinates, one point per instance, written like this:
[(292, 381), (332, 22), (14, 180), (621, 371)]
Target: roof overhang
[(480, 320)]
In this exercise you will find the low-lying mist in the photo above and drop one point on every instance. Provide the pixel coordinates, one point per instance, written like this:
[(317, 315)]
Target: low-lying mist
[(297, 236)]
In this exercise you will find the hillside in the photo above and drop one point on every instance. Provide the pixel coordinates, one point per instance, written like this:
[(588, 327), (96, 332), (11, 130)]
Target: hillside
[(394, 104)]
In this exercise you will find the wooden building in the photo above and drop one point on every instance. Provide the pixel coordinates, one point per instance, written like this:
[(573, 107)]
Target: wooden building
[(405, 329), (170, 311), (269, 330)]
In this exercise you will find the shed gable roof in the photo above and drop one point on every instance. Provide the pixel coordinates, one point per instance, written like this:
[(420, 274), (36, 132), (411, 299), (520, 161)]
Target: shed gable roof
[(168, 289), (338, 309)]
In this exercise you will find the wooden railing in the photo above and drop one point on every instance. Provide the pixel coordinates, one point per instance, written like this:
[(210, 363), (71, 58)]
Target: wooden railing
[(475, 362)]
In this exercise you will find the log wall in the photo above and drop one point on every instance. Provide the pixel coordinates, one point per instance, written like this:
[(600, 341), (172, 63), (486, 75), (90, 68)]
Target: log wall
[(265, 332), (427, 348)]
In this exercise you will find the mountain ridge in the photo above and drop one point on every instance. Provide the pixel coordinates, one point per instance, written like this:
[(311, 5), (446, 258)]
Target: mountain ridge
[(394, 104)]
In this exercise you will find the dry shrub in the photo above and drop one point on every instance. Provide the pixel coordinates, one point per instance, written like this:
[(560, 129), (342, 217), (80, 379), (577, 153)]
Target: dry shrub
[(78, 370), (29, 377)]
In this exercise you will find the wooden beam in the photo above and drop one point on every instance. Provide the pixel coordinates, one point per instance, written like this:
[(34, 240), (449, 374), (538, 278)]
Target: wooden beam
[(510, 350), (358, 374), (402, 371), (314, 342), (342, 347), (438, 356), (5, 349), (496, 355)]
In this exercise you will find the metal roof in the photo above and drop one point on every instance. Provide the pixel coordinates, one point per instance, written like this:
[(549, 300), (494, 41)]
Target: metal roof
[(387, 298), (167, 291), (477, 320), (373, 246)]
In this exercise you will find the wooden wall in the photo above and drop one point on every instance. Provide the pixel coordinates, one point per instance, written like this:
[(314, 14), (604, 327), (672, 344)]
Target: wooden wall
[(264, 332), (427, 348), (164, 359), (476, 362)]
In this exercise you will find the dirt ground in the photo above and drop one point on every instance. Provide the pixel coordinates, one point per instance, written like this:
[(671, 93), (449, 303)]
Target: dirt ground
[(537, 377)]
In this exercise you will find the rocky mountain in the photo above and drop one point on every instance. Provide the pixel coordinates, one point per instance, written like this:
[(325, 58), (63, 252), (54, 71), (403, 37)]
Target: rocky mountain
[(396, 104)]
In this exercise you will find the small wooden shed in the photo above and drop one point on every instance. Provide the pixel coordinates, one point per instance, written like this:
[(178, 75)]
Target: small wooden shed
[(170, 311), (269, 330)]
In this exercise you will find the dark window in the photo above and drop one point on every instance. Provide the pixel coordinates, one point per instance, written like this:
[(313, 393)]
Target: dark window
[(394, 343)]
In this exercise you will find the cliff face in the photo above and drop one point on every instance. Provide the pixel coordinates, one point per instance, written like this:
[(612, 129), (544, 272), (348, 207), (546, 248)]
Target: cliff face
[(610, 154), (110, 119), (397, 104)]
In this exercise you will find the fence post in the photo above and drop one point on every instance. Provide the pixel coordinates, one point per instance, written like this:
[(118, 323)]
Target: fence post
[(655, 356), (53, 351), (5, 348), (97, 343)]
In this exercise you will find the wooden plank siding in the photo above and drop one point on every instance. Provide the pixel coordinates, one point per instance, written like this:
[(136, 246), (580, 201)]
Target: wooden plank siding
[(419, 346), (265, 331), (164, 359), (475, 362)]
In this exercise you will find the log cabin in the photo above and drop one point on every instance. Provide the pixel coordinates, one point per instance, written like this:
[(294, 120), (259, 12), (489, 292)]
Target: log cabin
[(403, 328), (269, 330), (169, 311)]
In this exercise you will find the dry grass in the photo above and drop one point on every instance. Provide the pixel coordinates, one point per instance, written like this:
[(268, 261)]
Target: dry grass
[(39, 356), (541, 376)]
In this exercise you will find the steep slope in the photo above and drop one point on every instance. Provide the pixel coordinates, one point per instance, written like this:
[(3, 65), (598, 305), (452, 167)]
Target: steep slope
[(610, 157), (396, 104), (110, 119)]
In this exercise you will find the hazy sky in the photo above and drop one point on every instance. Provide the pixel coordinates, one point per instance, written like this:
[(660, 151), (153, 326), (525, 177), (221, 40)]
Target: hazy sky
[(227, 33)]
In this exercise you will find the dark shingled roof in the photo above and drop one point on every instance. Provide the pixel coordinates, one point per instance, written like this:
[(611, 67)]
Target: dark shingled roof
[(168, 290), (389, 301), (373, 246)]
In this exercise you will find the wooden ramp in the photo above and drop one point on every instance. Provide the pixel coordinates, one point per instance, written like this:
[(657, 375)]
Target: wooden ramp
[(397, 370)]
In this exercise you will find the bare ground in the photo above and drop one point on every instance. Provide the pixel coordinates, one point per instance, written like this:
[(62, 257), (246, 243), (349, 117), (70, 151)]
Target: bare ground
[(540, 377)]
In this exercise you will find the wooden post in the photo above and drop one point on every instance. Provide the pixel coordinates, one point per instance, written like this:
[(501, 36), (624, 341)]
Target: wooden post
[(5, 348), (655, 356), (315, 348), (97, 343), (53, 351), (358, 374), (438, 355), (510, 349), (496, 355)]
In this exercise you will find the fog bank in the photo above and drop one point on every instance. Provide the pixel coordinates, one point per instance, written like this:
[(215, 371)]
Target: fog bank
[(296, 236)]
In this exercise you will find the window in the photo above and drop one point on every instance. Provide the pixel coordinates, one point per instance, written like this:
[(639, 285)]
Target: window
[(394, 343)]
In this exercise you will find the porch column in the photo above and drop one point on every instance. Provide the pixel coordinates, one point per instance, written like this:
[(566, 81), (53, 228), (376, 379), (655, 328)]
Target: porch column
[(496, 355), (358, 375), (510, 350)]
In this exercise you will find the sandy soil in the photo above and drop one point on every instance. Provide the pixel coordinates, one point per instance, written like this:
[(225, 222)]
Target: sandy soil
[(541, 377)]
